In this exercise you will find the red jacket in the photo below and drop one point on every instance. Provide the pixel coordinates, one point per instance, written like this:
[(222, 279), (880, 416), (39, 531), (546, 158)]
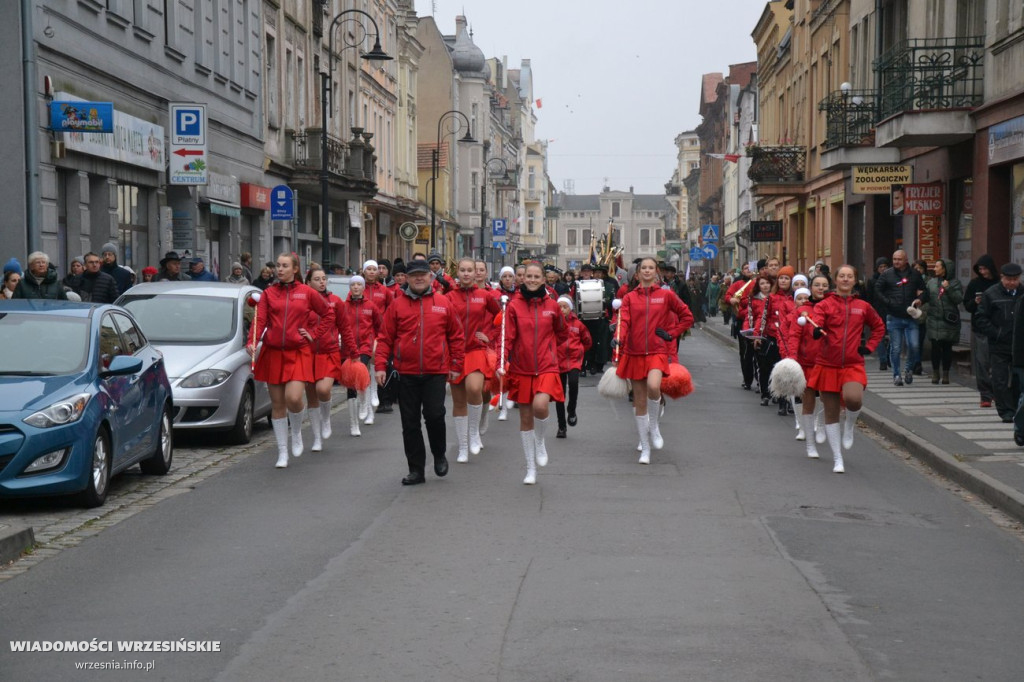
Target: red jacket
[(800, 342), (475, 309), (843, 319), (734, 288), (776, 323), (328, 341), (379, 294), (423, 334), (571, 353), (644, 310), (534, 330), (284, 309), (364, 319)]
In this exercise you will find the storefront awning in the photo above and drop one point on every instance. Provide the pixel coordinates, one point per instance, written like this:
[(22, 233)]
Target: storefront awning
[(221, 208)]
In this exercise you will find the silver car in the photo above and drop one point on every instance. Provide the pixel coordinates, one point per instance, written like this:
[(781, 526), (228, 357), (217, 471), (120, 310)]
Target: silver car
[(201, 328)]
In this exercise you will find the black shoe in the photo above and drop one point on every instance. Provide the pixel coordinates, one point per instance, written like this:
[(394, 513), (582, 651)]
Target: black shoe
[(746, 387), (414, 478), (440, 466), (764, 401), (883, 367), (1007, 420), (573, 420), (783, 404), (1018, 438), (560, 434), (384, 409), (583, 372)]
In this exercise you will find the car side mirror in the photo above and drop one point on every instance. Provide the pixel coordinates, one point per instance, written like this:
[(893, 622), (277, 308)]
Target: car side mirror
[(122, 365)]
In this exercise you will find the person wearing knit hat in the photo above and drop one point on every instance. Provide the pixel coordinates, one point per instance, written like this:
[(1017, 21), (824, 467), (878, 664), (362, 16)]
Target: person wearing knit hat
[(803, 347), (800, 280), (73, 279), (398, 277), (570, 360), (148, 273), (364, 318), (381, 296), (124, 279), (13, 266), (237, 275)]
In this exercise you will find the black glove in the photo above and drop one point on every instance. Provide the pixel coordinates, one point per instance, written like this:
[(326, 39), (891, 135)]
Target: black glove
[(863, 350), (364, 358), (615, 343), (662, 334), (818, 332)]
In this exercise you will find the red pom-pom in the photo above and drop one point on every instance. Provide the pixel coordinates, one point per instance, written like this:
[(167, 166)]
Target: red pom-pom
[(678, 382), (354, 375)]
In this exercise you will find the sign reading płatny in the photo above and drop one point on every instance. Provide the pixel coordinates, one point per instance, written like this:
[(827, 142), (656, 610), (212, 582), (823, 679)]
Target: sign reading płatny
[(188, 164)]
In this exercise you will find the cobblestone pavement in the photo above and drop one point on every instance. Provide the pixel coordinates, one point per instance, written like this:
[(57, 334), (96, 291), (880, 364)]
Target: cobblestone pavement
[(59, 524)]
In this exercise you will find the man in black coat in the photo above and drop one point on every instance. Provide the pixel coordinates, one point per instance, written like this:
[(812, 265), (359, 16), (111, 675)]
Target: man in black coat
[(985, 268), (897, 289), (96, 286), (108, 254), (995, 319), (881, 265)]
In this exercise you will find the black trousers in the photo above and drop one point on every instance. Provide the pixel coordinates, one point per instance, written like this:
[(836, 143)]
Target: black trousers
[(422, 394), (1004, 388), (942, 355), (766, 357), (747, 359), (571, 389)]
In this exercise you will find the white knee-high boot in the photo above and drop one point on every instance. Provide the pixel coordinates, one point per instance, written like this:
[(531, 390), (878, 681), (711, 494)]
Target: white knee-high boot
[(849, 427), (325, 418), (834, 437), (798, 417), (819, 423), (374, 402), (530, 450), (315, 426), (485, 410), (502, 409), (363, 402), (540, 426), (653, 416), (280, 427), (475, 445), (370, 400), (295, 429), (812, 449), (643, 427), (462, 435), (353, 417)]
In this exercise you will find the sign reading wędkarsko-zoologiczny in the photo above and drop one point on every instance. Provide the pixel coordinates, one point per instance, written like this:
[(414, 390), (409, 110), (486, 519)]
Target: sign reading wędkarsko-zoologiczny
[(879, 179)]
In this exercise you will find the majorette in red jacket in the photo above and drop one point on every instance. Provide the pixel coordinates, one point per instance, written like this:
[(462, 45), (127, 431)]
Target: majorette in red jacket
[(800, 342), (379, 294), (843, 319), (775, 324), (534, 330), (422, 334), (475, 309), (328, 341), (571, 353), (645, 309), (365, 320), (284, 309)]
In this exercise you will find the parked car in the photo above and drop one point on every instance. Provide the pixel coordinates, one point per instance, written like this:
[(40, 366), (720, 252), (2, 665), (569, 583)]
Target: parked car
[(338, 285), (201, 328), (83, 396)]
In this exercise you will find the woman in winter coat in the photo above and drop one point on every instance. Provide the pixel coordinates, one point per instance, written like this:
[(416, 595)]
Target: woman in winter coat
[(364, 318), (652, 320), (839, 322), (41, 280), (285, 362), (534, 331), (942, 298)]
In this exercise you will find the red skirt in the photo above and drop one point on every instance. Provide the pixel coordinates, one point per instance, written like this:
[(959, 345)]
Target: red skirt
[(831, 379), (278, 366), (327, 365), (637, 367), (476, 361), (522, 387)]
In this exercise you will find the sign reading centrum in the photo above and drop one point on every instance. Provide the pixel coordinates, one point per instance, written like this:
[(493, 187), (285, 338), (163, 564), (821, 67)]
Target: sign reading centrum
[(880, 179)]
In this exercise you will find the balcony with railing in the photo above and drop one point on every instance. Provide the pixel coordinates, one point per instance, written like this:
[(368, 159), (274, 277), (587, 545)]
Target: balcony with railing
[(778, 169), (850, 117), (928, 88), (351, 166)]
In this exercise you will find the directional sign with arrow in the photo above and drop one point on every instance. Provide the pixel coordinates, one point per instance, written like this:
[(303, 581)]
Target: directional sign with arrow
[(282, 203), (188, 162)]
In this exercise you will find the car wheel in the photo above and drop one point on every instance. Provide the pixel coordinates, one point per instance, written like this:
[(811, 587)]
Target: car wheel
[(242, 432), (95, 493), (160, 462)]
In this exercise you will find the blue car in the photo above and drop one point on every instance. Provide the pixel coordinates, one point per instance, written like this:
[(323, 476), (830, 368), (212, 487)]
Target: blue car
[(83, 396)]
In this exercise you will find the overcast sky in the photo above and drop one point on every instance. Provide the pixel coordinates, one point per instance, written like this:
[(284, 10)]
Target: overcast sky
[(618, 80)]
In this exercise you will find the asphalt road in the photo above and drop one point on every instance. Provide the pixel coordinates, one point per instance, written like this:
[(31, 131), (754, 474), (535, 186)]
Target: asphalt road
[(731, 557)]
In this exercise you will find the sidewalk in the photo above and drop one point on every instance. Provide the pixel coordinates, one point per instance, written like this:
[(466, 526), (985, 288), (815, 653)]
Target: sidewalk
[(941, 425)]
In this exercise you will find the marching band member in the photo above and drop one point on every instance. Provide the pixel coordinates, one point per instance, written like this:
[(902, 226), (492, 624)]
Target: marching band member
[(506, 283), (474, 310), (534, 330), (652, 319), (759, 321), (839, 322), (327, 356), (738, 295), (803, 347), (570, 362), (364, 318), (285, 361)]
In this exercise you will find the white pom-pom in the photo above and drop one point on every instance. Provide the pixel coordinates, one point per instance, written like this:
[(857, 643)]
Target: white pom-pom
[(504, 299), (617, 303), (801, 320)]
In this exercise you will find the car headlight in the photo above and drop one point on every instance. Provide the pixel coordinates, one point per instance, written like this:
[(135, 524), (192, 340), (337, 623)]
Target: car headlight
[(205, 378), (58, 414)]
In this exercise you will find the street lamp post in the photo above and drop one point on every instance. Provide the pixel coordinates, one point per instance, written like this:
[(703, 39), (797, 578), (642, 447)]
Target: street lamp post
[(435, 159), (483, 193), (375, 54)]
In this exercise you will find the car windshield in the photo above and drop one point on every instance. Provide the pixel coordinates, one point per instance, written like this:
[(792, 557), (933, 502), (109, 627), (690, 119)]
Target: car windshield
[(167, 318), (38, 345)]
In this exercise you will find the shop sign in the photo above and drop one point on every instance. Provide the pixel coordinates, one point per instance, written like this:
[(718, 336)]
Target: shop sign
[(134, 141), (766, 230), (920, 199), (1006, 141), (81, 117), (255, 196), (221, 188), (929, 237), (879, 179)]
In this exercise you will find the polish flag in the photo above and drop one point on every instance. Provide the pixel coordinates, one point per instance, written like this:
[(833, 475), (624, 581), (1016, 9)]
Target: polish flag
[(538, 104)]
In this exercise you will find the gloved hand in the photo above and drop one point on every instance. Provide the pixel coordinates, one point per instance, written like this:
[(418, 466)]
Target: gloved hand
[(863, 350), (364, 358), (615, 343), (662, 334), (818, 332)]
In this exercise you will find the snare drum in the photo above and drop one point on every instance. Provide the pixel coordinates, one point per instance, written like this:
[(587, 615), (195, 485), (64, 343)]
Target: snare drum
[(590, 294)]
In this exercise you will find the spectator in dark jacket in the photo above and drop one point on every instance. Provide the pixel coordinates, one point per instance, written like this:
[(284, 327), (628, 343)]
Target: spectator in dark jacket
[(882, 264), (96, 286), (985, 268), (73, 279), (897, 289), (41, 280), (123, 276), (170, 269), (995, 319)]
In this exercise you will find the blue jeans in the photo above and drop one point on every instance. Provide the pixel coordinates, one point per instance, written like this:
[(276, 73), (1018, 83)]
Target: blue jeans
[(901, 329)]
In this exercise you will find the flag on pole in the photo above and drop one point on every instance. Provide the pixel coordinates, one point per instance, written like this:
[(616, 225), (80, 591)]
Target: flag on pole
[(728, 157), (538, 103)]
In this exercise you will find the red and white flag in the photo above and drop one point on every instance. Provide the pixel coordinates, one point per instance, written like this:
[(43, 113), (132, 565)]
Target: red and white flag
[(538, 104), (728, 157)]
